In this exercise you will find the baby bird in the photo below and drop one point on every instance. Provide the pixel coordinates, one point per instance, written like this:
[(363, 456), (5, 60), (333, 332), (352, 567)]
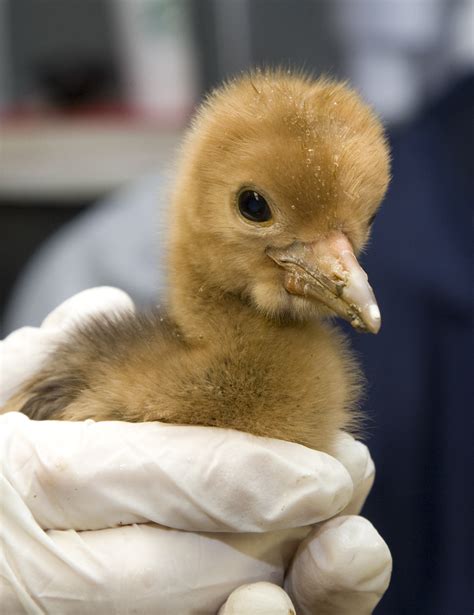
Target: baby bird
[(278, 184)]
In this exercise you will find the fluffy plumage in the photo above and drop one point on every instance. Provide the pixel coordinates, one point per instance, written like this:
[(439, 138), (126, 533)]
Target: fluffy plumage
[(234, 347)]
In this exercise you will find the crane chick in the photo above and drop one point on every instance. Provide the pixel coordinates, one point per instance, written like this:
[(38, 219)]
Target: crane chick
[(279, 181)]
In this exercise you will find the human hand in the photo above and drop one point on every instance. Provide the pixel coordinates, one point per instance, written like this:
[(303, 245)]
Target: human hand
[(117, 517)]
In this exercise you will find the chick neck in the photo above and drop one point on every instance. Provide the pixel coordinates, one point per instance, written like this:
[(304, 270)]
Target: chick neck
[(199, 307)]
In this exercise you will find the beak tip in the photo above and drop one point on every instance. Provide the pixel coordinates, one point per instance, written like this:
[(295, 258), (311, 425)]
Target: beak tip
[(368, 320), (374, 320), (374, 312)]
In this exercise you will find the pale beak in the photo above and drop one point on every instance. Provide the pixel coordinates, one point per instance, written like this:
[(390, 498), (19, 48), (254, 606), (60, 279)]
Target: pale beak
[(327, 270)]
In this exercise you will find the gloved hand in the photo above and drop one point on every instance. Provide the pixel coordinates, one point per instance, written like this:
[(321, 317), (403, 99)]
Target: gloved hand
[(117, 517)]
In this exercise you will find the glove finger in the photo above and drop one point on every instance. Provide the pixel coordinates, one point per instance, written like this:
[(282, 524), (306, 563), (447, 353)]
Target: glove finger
[(138, 568), (86, 475), (356, 458), (342, 568), (90, 302), (261, 598)]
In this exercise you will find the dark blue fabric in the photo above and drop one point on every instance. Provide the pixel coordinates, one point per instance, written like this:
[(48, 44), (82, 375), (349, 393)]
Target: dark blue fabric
[(419, 367)]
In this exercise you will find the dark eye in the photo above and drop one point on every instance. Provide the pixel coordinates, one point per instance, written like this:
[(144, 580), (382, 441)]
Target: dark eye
[(254, 207), (371, 220)]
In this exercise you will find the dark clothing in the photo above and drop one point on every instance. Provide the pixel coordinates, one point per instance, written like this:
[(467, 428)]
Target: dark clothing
[(419, 366)]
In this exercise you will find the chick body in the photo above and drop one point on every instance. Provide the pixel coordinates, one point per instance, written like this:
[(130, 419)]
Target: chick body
[(234, 348), (294, 381)]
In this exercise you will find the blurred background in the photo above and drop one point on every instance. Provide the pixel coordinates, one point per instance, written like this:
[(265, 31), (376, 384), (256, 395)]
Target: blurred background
[(94, 97)]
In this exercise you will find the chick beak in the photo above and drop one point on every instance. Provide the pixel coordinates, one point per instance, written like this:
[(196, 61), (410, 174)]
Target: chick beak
[(327, 270)]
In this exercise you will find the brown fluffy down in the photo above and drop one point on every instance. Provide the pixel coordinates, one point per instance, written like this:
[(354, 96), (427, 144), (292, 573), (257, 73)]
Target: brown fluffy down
[(233, 348)]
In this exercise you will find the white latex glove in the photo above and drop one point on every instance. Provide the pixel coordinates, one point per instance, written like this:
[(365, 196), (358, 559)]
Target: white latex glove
[(118, 517)]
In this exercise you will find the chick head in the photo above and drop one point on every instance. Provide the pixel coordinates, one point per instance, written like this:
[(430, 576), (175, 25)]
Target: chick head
[(281, 178)]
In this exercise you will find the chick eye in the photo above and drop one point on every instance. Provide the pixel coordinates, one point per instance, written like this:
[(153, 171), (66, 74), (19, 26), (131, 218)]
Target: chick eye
[(254, 207)]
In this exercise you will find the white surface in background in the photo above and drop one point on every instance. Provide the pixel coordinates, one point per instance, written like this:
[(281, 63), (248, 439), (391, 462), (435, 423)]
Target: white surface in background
[(68, 160), (401, 53), (158, 60)]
